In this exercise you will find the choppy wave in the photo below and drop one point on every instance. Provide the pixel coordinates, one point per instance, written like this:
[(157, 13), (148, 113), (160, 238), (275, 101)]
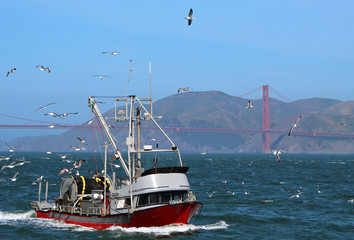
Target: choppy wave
[(170, 229), (8, 216)]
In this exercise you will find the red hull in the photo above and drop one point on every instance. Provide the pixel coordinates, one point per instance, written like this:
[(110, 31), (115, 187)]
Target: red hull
[(153, 217)]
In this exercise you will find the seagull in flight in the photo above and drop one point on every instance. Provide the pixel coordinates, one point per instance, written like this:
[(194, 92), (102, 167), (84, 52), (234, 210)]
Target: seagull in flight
[(294, 125), (249, 104), (78, 148), (6, 158), (78, 164), (81, 140), (43, 68), (13, 179), (53, 114), (184, 89), (54, 125), (296, 195), (115, 165), (10, 148), (112, 53), (66, 114), (210, 194), (64, 170), (44, 107), (101, 76), (276, 153), (11, 71), (190, 18)]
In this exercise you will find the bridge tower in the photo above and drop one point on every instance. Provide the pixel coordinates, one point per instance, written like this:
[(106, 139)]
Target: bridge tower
[(265, 120)]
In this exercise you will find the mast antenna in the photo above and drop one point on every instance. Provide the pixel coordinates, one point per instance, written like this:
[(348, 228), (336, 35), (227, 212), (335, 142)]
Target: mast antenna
[(150, 88)]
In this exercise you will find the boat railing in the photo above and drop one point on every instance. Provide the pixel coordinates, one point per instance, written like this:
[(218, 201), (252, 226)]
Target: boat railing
[(95, 210), (66, 208)]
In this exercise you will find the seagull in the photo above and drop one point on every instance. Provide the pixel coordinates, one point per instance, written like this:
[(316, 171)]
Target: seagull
[(210, 194), (249, 104), (190, 18), (78, 165), (64, 170), (101, 76), (11, 71), (13, 179), (43, 68), (78, 148), (44, 107), (10, 148), (63, 156), (49, 151), (11, 165), (66, 114), (115, 165), (6, 158), (81, 140), (21, 163), (39, 179), (54, 125), (53, 114), (294, 125), (276, 153), (184, 89), (296, 195), (112, 53), (343, 124)]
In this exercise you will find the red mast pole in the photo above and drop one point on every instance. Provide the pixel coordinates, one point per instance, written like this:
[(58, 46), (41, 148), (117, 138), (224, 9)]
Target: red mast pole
[(265, 120)]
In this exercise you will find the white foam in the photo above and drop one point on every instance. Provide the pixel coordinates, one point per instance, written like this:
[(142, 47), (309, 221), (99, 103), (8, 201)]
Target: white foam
[(7, 216), (171, 229)]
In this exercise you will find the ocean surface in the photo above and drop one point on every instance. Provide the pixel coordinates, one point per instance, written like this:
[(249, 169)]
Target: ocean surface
[(245, 196)]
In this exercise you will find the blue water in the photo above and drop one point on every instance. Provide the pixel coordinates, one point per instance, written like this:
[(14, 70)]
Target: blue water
[(251, 198)]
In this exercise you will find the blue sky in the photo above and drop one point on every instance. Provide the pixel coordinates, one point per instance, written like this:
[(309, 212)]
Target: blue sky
[(303, 49)]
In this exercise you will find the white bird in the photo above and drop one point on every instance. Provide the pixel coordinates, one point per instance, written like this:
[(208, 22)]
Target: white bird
[(64, 170), (184, 89), (10, 148), (11, 165), (63, 156), (249, 104), (66, 114), (115, 165), (78, 164), (190, 18), (54, 125), (11, 71), (296, 195), (276, 153), (6, 158), (13, 179), (101, 76), (43, 68), (53, 114), (210, 194), (81, 140), (294, 125), (112, 53), (44, 107), (78, 148)]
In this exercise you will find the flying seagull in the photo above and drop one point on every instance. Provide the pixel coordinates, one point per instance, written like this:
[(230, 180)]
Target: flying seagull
[(249, 104), (81, 140), (112, 53), (6, 158), (43, 68), (78, 148), (14, 177), (66, 114), (276, 153), (296, 195), (11, 71), (101, 76), (64, 170), (184, 89), (294, 125), (53, 114), (78, 164), (10, 148), (211, 194), (190, 18), (44, 107)]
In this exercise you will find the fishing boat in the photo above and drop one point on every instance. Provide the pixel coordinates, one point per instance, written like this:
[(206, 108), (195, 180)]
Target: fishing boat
[(157, 196)]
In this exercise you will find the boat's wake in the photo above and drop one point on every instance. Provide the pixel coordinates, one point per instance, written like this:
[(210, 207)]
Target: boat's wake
[(170, 229)]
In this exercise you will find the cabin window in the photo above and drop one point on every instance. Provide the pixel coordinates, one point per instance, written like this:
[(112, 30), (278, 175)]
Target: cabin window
[(165, 197), (127, 202), (144, 200), (176, 196), (154, 198), (185, 195)]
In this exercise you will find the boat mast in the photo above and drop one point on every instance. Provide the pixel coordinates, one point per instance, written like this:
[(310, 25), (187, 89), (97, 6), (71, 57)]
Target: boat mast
[(117, 154)]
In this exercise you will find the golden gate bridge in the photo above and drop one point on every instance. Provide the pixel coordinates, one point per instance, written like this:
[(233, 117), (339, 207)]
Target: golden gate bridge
[(265, 131)]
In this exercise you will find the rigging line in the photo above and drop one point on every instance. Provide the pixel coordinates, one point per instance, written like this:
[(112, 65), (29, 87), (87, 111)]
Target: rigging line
[(93, 141)]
